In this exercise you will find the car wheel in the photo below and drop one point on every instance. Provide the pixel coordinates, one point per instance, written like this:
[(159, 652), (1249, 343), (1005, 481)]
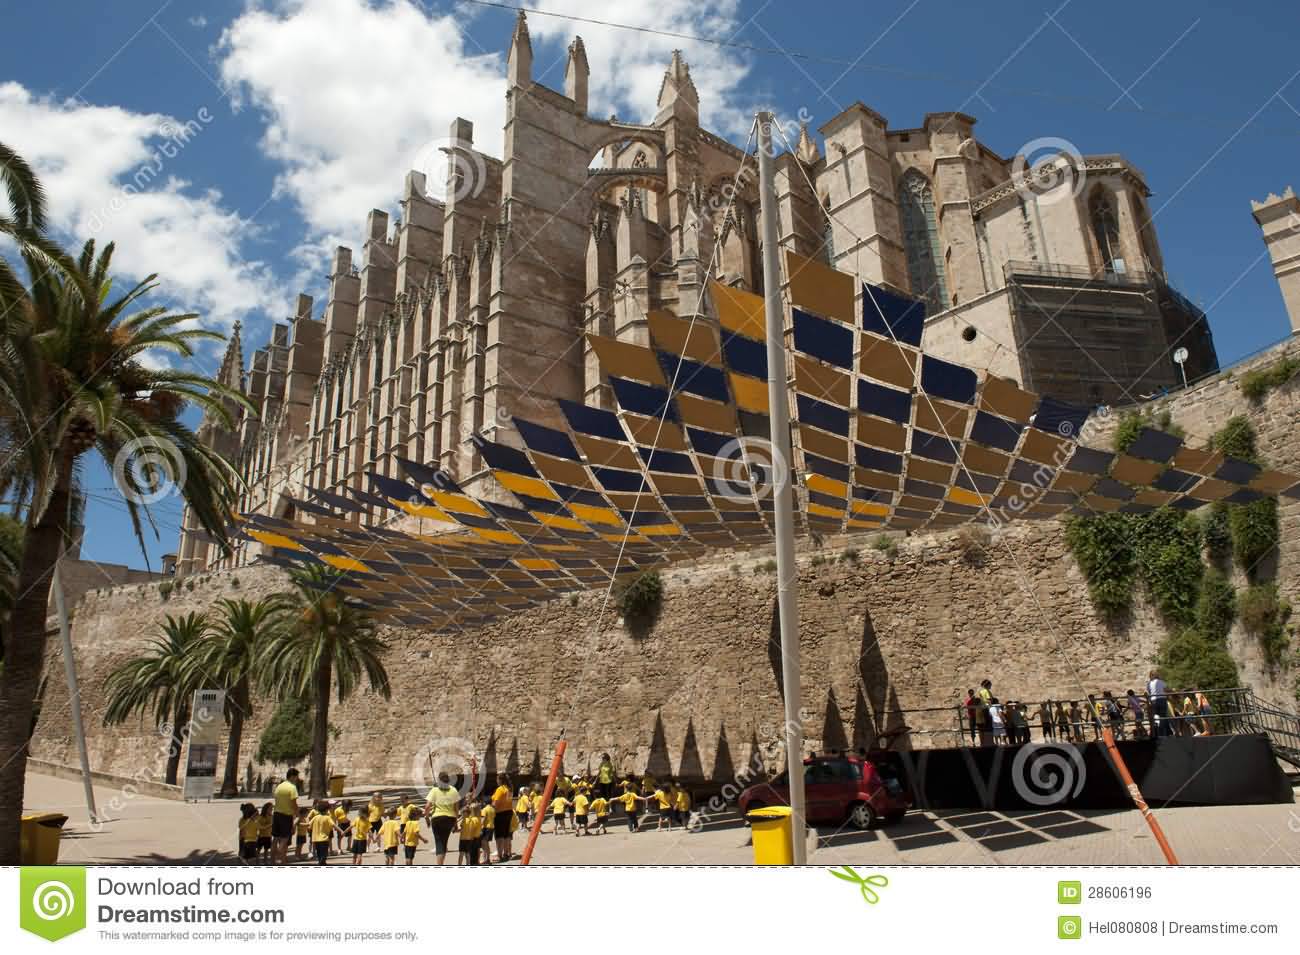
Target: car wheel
[(862, 816)]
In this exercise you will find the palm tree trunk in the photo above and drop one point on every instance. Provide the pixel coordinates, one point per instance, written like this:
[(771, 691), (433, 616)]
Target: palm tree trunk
[(230, 781), (320, 729), (24, 657), (179, 727)]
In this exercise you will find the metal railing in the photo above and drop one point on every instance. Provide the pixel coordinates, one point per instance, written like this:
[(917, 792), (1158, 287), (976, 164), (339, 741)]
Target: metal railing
[(1232, 710)]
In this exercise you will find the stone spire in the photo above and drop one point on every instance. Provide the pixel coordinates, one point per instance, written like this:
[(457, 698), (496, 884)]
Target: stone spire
[(678, 90), (519, 62), (232, 363), (806, 149), (576, 73)]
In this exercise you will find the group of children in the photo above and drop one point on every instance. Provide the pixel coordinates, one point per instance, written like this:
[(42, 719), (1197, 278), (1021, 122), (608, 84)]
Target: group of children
[(333, 828)]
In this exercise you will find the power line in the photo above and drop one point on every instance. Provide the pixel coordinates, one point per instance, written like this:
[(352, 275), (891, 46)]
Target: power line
[(1197, 119)]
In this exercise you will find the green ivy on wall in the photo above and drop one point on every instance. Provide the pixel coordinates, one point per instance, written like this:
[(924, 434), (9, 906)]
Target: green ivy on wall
[(1162, 550)]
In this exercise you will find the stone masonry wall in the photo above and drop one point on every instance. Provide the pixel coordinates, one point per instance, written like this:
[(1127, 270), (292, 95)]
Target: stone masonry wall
[(698, 694)]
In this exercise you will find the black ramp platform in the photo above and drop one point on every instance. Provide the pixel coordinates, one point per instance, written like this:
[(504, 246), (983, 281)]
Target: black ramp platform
[(1174, 771)]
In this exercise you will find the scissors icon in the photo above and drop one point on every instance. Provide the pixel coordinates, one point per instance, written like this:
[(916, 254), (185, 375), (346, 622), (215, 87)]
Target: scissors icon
[(864, 883)]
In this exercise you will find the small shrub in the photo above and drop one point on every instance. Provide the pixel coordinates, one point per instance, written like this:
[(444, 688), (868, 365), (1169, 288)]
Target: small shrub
[(234, 582), (850, 555), (1256, 384), (573, 600), (1131, 424), (642, 598), (1103, 549), (974, 541), (287, 737), (164, 589), (886, 545), (1254, 528), (1237, 439), (189, 585), (1189, 659), (1264, 614), (819, 559)]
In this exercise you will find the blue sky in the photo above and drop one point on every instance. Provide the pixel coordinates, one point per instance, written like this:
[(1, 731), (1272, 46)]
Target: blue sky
[(303, 115)]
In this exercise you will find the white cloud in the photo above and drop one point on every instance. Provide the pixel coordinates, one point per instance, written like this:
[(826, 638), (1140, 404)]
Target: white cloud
[(355, 92), (105, 172), (353, 95)]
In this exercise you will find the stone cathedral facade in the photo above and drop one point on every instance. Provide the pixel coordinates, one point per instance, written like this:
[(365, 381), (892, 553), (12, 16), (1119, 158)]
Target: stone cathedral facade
[(472, 309)]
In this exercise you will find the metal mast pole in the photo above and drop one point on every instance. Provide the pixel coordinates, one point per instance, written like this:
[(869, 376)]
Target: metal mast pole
[(782, 476), (74, 694)]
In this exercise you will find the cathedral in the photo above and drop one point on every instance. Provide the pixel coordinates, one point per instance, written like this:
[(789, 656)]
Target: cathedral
[(472, 309)]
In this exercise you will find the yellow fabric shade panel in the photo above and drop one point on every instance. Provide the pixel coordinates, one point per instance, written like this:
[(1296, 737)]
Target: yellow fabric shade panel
[(596, 515), (522, 484), (739, 311), (274, 540), (693, 339), (627, 360), (345, 563), (751, 393), (816, 287)]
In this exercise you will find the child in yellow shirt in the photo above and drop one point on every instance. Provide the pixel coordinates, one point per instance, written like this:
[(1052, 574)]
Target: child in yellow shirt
[(248, 823), (264, 832), (322, 827), (600, 806), (682, 806), (580, 804), (488, 816), (342, 826), (375, 816), (411, 834), (663, 800), (360, 836), (390, 835), (471, 835), (558, 805), (303, 829), (522, 806), (631, 805)]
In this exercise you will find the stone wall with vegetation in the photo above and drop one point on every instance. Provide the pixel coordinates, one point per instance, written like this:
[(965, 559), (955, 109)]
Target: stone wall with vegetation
[(692, 687)]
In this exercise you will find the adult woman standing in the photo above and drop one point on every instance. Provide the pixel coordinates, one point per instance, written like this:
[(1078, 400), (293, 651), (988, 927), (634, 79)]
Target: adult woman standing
[(440, 806), (503, 804), (605, 777)]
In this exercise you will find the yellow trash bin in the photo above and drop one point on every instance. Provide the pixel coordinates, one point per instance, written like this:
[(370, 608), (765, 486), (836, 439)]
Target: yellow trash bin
[(336, 784), (770, 830), (39, 839)]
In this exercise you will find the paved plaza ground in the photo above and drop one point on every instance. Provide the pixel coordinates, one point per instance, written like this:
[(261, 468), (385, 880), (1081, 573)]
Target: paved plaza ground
[(144, 830)]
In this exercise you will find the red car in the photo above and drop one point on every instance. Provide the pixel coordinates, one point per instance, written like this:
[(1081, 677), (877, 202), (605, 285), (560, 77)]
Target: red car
[(838, 788)]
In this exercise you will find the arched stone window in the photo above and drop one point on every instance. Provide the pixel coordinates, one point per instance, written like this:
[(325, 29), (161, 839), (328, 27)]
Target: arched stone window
[(921, 240), (1105, 228)]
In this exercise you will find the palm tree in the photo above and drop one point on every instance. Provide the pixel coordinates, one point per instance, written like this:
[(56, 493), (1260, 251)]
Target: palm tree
[(330, 642), (228, 658), (72, 378), (25, 223), (162, 680)]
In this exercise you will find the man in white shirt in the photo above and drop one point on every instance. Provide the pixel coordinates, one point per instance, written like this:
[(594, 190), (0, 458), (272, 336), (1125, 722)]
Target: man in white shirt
[(1156, 691)]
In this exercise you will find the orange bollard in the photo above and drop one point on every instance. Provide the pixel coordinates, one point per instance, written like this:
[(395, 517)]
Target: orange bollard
[(1136, 795), (546, 801)]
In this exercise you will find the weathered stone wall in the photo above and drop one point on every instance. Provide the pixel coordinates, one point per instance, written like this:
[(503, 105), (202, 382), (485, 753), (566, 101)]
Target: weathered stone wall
[(697, 693)]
